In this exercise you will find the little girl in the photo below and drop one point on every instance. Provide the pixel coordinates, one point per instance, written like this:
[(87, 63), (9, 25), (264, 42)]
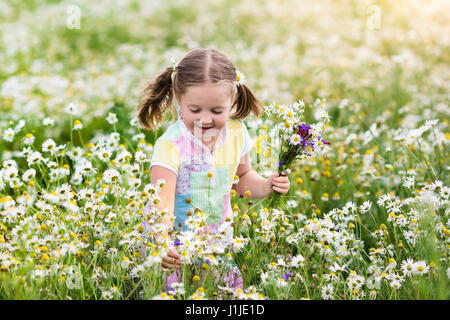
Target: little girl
[(204, 151)]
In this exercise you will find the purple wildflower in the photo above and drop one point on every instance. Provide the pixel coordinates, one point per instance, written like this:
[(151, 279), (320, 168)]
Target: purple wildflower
[(177, 243), (287, 275)]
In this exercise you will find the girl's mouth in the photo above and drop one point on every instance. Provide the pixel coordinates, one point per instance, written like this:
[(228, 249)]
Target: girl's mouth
[(205, 128)]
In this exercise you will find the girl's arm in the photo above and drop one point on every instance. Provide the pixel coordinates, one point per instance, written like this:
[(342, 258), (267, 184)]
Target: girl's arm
[(167, 193), (167, 196), (259, 187)]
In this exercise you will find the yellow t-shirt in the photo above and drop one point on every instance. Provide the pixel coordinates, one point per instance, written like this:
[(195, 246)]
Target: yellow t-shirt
[(204, 177)]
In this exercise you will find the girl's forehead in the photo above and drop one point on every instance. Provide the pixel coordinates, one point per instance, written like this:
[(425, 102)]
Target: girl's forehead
[(207, 95)]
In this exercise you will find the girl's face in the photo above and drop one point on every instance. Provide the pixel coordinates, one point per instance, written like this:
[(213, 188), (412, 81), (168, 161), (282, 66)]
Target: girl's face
[(205, 108)]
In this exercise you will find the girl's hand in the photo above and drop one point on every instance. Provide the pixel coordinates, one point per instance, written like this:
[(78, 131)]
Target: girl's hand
[(172, 261), (279, 183)]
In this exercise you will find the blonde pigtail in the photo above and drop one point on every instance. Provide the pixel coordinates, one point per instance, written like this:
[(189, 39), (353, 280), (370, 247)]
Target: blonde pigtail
[(157, 99), (246, 103)]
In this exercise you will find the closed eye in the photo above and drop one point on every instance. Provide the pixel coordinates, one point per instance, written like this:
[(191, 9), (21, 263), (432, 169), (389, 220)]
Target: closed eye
[(215, 112)]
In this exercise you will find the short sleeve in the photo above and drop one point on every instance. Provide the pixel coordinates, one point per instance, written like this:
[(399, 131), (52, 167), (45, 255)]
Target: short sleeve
[(247, 140), (166, 155)]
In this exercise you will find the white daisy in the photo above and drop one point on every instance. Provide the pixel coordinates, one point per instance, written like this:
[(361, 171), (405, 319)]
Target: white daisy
[(291, 204), (72, 109), (28, 175), (430, 123), (34, 158), (240, 77), (365, 207), (19, 126), (137, 137), (295, 139), (239, 243), (104, 154), (76, 179), (10, 173), (134, 182), (8, 135), (123, 157), (77, 125), (421, 268), (152, 259), (330, 276), (395, 284), (29, 139), (297, 261), (327, 291), (112, 118), (444, 193), (409, 182), (48, 122), (408, 266), (107, 295), (84, 167), (161, 183), (49, 145), (134, 122), (125, 262), (76, 153), (111, 176), (281, 283)]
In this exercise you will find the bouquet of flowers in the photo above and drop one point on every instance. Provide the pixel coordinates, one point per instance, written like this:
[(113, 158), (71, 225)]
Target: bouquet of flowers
[(295, 138)]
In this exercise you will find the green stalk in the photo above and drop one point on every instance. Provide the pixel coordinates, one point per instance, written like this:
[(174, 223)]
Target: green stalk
[(81, 139)]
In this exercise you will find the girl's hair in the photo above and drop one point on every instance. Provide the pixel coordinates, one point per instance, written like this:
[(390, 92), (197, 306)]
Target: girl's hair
[(201, 66)]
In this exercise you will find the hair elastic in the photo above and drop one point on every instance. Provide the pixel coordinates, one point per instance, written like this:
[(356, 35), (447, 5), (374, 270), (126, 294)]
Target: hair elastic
[(174, 68)]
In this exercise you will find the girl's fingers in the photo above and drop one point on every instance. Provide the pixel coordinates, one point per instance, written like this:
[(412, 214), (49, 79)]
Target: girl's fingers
[(281, 180), (282, 187), (172, 260), (280, 190), (171, 263), (281, 183), (174, 255)]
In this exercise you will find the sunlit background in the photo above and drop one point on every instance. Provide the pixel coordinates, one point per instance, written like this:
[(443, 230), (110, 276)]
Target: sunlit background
[(380, 69), (383, 54)]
